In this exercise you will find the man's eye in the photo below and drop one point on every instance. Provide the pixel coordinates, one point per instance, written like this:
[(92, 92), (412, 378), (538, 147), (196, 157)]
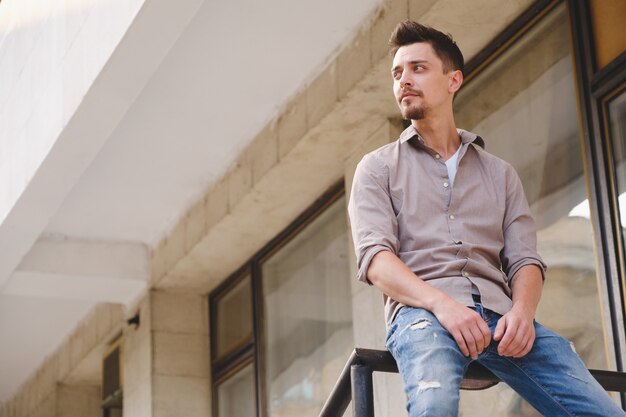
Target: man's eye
[(395, 74), (418, 67)]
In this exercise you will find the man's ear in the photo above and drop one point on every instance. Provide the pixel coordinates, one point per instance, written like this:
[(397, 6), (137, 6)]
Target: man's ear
[(456, 81)]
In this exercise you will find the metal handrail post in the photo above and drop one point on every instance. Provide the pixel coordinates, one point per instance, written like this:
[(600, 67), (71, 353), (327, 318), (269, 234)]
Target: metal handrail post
[(356, 378), (362, 391)]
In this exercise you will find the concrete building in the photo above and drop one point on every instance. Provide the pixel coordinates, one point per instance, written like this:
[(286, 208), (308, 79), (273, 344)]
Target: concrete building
[(174, 175)]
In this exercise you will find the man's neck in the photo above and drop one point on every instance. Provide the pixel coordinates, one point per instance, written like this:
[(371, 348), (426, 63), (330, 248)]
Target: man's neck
[(439, 134)]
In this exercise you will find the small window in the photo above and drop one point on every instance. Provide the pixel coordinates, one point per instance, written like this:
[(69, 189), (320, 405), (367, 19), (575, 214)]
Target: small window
[(234, 318), (236, 395), (112, 392)]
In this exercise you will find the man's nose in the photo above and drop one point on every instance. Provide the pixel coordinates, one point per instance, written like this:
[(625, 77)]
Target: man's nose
[(405, 80)]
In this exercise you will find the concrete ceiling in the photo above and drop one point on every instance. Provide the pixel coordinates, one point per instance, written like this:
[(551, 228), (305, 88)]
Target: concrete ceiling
[(230, 72), (227, 76)]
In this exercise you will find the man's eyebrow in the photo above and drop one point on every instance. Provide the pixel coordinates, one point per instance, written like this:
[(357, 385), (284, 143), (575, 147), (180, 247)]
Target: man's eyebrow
[(417, 61)]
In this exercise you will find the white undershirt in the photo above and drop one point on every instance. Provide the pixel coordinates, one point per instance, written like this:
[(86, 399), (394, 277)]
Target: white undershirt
[(451, 165)]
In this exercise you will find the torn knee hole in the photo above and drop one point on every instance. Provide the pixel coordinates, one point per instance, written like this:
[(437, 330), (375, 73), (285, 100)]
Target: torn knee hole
[(421, 324), (426, 385)]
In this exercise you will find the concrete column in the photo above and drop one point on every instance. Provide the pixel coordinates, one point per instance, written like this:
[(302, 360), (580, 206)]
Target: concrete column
[(166, 358), (181, 369), (137, 363)]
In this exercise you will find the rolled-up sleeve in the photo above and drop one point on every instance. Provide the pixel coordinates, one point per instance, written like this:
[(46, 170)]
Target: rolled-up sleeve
[(520, 234), (372, 218)]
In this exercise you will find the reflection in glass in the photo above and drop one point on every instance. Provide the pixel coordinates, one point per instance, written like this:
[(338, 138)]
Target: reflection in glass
[(234, 317), (524, 106), (308, 316), (236, 395), (617, 133)]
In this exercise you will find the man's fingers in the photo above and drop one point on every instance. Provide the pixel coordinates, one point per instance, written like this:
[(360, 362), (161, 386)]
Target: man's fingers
[(500, 329), (530, 340), (517, 345), (528, 347), (507, 339), (479, 340), (461, 342), (518, 339), (467, 327), (471, 342), (518, 342), (477, 336), (486, 333)]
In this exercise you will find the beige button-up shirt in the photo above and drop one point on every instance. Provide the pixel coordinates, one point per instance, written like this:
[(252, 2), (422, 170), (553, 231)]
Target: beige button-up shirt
[(480, 231)]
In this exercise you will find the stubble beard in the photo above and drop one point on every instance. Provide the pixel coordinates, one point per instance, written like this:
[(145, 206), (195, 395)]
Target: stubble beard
[(413, 112)]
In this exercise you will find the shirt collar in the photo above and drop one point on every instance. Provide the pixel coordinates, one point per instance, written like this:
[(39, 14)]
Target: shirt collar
[(466, 137)]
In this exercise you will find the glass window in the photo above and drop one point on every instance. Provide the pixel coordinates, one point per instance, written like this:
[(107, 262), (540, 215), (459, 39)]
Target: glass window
[(234, 318), (112, 378), (617, 133), (524, 106), (304, 320), (237, 395), (308, 315)]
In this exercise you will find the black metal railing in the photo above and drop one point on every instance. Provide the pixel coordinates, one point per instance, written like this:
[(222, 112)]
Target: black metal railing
[(355, 382)]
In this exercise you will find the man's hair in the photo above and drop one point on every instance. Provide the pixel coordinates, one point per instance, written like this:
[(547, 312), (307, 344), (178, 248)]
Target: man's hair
[(409, 32)]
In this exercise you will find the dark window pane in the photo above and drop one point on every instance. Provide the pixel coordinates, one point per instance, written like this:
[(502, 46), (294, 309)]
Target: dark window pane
[(234, 317)]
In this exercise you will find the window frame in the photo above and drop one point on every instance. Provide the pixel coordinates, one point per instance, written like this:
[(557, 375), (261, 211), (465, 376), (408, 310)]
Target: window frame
[(253, 350), (595, 88)]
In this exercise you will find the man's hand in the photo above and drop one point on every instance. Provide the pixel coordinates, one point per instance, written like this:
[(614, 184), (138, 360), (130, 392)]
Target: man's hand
[(467, 327), (389, 274), (516, 332)]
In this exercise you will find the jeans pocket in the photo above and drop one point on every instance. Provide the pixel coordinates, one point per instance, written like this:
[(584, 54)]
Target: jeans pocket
[(393, 328)]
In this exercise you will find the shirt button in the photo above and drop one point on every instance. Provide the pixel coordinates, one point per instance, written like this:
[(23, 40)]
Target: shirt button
[(451, 217), (438, 156), (465, 274), (446, 185)]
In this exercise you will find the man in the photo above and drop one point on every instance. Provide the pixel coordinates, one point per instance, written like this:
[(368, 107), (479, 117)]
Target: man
[(440, 225)]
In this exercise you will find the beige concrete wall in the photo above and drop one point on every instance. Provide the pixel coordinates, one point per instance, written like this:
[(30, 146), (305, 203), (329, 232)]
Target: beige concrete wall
[(180, 384), (166, 357), (78, 401), (73, 371)]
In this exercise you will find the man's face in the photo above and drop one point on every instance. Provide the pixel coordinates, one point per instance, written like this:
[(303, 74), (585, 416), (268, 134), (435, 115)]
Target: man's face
[(420, 85)]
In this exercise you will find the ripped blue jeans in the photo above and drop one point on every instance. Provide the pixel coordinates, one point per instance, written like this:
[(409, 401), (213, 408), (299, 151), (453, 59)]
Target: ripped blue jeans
[(551, 377)]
